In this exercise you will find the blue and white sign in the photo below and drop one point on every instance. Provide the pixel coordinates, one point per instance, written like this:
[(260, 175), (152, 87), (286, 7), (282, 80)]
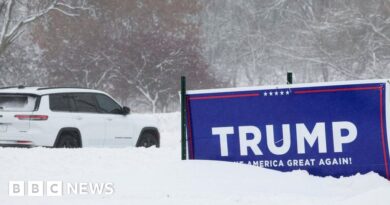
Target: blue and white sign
[(328, 130)]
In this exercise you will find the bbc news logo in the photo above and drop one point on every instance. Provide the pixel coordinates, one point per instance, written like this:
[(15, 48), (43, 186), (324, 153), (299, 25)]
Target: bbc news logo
[(58, 188)]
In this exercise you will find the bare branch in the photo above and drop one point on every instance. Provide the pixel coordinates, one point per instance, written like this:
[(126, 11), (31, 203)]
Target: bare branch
[(68, 9), (65, 12), (6, 23)]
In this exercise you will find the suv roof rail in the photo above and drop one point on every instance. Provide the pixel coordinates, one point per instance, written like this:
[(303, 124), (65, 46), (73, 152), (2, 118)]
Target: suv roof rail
[(17, 86), (48, 88)]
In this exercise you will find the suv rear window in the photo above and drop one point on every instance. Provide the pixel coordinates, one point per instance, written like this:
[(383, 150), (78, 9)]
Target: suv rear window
[(17, 102), (85, 102)]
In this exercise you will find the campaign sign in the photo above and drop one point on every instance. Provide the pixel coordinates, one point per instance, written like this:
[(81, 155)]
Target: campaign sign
[(337, 130)]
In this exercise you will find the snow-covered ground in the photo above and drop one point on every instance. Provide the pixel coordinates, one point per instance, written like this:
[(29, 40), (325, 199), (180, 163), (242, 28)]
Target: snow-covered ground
[(158, 176)]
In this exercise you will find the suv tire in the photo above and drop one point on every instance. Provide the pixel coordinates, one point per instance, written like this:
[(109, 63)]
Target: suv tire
[(68, 141), (148, 139)]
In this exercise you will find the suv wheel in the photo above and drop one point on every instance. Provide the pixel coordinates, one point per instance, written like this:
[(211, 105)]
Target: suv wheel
[(148, 139), (68, 141)]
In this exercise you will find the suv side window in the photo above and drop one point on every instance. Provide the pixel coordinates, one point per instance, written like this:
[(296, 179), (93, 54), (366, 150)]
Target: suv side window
[(85, 102), (108, 105), (61, 102)]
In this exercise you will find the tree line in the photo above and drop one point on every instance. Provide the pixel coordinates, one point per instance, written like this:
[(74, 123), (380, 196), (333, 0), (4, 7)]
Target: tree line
[(137, 50)]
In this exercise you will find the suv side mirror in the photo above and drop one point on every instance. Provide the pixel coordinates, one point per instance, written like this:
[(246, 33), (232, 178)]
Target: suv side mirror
[(125, 110)]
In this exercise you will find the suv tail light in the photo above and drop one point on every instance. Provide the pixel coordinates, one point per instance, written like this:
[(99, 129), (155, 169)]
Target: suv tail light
[(32, 117), (23, 142)]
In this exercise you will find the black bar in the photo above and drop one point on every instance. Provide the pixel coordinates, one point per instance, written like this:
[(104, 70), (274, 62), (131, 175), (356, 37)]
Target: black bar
[(183, 119), (289, 78)]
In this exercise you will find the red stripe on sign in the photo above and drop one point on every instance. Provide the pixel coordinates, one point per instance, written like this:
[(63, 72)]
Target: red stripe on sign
[(383, 135), (190, 144), (225, 96), (336, 90)]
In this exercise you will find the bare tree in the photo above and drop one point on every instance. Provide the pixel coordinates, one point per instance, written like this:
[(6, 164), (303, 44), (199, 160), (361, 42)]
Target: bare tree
[(13, 21), (135, 50)]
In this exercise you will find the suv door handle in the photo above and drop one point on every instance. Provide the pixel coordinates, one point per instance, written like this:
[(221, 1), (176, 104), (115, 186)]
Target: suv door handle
[(109, 119), (78, 118)]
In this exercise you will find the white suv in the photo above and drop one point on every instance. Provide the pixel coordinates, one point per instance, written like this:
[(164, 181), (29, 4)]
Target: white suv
[(70, 117)]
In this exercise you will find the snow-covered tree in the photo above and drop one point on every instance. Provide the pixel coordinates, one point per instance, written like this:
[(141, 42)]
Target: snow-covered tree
[(257, 42), (17, 14), (137, 49)]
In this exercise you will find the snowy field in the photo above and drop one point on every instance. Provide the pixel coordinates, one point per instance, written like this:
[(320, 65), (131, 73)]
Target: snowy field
[(158, 176)]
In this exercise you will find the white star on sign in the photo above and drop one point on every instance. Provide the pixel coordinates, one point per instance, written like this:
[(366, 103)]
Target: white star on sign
[(265, 93), (276, 93), (281, 93), (270, 93), (287, 92)]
